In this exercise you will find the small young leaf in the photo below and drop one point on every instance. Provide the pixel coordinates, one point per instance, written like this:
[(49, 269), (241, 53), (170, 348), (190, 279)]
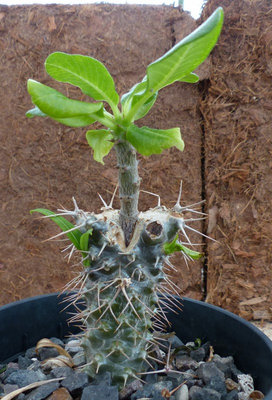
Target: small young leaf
[(57, 106), (84, 246), (172, 247), (144, 109), (87, 73), (133, 96), (149, 141), (84, 240), (195, 255), (35, 112), (100, 142), (64, 225)]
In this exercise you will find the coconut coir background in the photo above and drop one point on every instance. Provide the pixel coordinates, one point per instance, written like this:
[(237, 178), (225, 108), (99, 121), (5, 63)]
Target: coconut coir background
[(44, 164), (238, 160)]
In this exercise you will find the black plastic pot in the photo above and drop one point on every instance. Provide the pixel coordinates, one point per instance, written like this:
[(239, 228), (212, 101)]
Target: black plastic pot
[(24, 322)]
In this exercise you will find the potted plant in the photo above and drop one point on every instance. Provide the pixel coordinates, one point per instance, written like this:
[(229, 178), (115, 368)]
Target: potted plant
[(123, 284)]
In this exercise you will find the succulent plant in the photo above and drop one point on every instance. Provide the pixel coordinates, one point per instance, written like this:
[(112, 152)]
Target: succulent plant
[(125, 253)]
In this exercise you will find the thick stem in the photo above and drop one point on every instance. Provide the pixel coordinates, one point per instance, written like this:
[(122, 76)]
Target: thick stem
[(129, 184)]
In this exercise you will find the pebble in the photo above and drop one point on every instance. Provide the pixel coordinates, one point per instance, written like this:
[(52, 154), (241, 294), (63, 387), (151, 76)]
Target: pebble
[(225, 364), (175, 377), (198, 354), (182, 393), (24, 362), (101, 392), (31, 353), (75, 382), (8, 388), (184, 362), (60, 372), (73, 347), (218, 383), (218, 379), (79, 359), (197, 393), (132, 387), (35, 366), (256, 395), (208, 371), (233, 395), (60, 394), (152, 390), (7, 372), (230, 384), (175, 342), (194, 382), (57, 341), (43, 391), (24, 377), (246, 383), (47, 352)]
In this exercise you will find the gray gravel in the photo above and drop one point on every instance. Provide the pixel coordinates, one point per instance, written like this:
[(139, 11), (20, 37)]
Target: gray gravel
[(195, 373)]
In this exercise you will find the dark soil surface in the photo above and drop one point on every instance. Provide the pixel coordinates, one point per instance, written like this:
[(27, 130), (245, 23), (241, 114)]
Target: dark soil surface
[(44, 164)]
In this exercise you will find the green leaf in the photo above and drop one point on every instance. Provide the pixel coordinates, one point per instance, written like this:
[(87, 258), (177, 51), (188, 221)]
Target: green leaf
[(100, 142), (195, 255), (84, 245), (186, 55), (64, 225), (57, 106), (149, 141), (190, 78), (35, 112), (144, 109), (87, 73), (174, 246), (180, 61), (133, 96)]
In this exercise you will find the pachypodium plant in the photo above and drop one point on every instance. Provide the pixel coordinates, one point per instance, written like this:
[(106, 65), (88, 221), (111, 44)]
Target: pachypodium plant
[(123, 283)]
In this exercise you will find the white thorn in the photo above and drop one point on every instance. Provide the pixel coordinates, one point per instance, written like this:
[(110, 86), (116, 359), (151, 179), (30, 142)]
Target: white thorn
[(200, 233), (129, 301), (154, 194), (194, 211), (186, 262), (102, 248), (194, 219), (71, 253), (168, 262), (67, 248), (185, 234), (75, 204), (177, 207), (193, 205), (58, 214), (65, 232), (114, 193), (103, 201)]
